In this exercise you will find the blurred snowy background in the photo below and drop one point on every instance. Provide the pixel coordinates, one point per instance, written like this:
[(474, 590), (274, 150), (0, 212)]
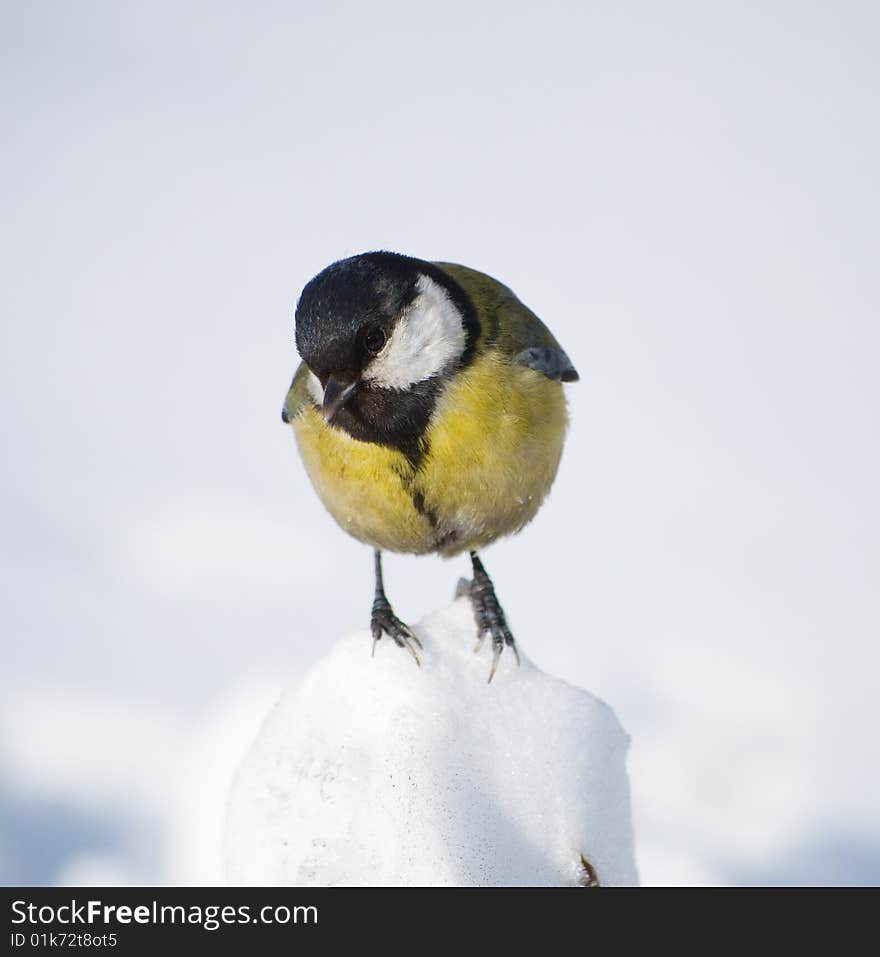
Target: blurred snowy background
[(686, 192)]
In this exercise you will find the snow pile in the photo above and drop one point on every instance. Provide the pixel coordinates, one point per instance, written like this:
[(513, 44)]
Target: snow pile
[(376, 772)]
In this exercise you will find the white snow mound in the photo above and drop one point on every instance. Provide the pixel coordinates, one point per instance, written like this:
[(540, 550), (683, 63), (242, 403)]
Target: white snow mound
[(375, 772)]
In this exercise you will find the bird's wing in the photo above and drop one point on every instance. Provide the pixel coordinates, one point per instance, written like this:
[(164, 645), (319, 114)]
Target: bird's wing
[(298, 395), (550, 361), (511, 327)]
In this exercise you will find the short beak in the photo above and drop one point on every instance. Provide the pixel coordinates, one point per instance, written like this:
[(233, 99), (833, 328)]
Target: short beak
[(336, 394)]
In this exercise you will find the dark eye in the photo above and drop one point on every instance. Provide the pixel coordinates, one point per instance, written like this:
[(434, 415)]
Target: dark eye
[(374, 339)]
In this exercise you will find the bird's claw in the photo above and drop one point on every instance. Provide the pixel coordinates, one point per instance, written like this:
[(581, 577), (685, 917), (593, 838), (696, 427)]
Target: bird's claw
[(490, 621), (501, 639), (384, 621)]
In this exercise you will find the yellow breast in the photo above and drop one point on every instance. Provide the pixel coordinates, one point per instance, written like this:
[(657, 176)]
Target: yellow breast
[(365, 487), (493, 448)]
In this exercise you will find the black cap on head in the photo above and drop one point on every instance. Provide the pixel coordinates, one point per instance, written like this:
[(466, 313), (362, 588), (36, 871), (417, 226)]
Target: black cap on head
[(338, 308), (344, 317)]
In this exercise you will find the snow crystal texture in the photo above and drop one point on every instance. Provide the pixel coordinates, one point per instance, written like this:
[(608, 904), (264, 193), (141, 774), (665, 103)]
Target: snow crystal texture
[(376, 772)]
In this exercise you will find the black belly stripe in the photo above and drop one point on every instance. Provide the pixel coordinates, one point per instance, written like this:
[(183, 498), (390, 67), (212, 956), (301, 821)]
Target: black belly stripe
[(414, 452), (440, 541), (407, 480), (418, 500)]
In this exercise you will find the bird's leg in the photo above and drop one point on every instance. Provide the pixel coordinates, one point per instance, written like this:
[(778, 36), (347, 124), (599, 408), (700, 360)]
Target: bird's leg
[(489, 615), (383, 619)]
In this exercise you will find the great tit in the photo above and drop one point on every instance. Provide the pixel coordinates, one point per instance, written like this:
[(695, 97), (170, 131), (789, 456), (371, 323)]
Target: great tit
[(429, 412)]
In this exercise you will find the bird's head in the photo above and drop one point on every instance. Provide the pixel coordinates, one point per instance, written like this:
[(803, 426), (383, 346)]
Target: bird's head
[(381, 332)]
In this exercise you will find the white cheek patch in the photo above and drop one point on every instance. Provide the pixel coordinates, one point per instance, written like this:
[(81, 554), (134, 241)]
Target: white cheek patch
[(315, 390), (427, 338)]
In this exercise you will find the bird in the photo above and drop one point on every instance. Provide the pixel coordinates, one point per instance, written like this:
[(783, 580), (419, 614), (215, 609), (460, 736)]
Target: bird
[(430, 415)]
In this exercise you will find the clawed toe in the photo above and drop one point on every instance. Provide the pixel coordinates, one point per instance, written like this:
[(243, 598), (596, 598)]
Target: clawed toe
[(501, 639), (488, 613), (489, 616), (385, 622)]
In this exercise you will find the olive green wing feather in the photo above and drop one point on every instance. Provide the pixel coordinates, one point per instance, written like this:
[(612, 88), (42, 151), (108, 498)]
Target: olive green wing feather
[(298, 395), (510, 326)]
